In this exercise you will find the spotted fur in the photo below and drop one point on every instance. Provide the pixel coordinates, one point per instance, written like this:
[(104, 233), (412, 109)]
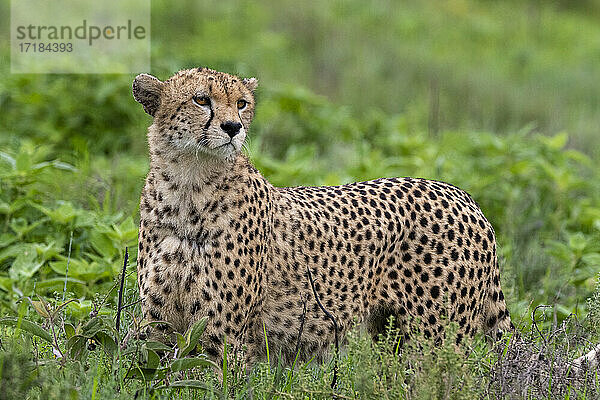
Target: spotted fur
[(218, 240)]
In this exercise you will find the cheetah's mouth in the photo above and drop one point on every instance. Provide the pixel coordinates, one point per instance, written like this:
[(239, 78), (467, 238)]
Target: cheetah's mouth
[(223, 150), (225, 147), (230, 143), (211, 144)]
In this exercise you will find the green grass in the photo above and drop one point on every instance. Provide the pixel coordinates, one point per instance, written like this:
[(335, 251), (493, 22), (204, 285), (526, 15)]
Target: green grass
[(366, 370), (498, 98)]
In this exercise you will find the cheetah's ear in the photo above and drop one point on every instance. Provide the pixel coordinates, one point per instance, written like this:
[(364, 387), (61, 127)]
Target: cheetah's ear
[(250, 83), (147, 91)]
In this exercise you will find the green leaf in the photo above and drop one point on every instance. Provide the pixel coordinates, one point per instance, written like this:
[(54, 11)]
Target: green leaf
[(58, 282), (40, 166), (47, 250), (8, 307), (26, 264), (149, 358), (39, 308), (63, 214), (6, 239), (560, 251), (558, 141), (77, 346), (27, 326), (6, 283), (193, 336), (63, 305), (92, 327), (22, 227), (181, 342), (578, 241), (18, 204), (102, 244), (125, 233), (81, 309), (158, 346), (183, 364), (591, 259), (64, 166), (8, 159), (14, 250), (107, 342), (23, 162), (82, 269), (127, 226), (69, 330)]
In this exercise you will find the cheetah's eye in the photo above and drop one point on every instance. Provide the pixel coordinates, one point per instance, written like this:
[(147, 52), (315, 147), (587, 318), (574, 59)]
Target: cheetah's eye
[(241, 104), (201, 100)]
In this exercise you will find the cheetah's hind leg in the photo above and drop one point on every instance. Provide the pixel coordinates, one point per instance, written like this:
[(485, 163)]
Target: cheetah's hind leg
[(384, 323)]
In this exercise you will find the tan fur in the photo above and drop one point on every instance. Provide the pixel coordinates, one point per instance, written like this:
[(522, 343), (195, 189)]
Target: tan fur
[(218, 240)]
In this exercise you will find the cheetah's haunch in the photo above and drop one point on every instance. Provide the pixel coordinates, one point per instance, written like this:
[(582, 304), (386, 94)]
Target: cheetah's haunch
[(218, 240)]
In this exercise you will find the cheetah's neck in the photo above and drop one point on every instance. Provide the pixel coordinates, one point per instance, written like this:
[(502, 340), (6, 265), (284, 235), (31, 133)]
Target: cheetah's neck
[(187, 189), (187, 171)]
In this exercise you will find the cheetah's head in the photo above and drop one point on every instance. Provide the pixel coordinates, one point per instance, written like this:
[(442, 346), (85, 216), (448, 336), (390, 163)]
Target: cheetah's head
[(198, 111)]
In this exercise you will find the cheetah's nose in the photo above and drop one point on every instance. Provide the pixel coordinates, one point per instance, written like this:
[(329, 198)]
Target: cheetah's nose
[(231, 128)]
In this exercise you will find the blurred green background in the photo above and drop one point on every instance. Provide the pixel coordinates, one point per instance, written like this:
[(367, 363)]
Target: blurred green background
[(499, 98)]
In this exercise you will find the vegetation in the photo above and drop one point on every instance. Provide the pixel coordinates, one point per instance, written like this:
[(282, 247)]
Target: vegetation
[(498, 98)]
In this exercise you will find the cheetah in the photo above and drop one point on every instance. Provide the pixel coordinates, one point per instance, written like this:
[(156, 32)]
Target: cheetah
[(217, 240)]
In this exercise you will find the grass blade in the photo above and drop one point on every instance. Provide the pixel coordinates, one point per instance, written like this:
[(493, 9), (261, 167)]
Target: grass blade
[(27, 326)]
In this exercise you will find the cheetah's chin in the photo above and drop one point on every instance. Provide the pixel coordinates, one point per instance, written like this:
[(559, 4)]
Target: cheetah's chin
[(203, 151), (224, 151)]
